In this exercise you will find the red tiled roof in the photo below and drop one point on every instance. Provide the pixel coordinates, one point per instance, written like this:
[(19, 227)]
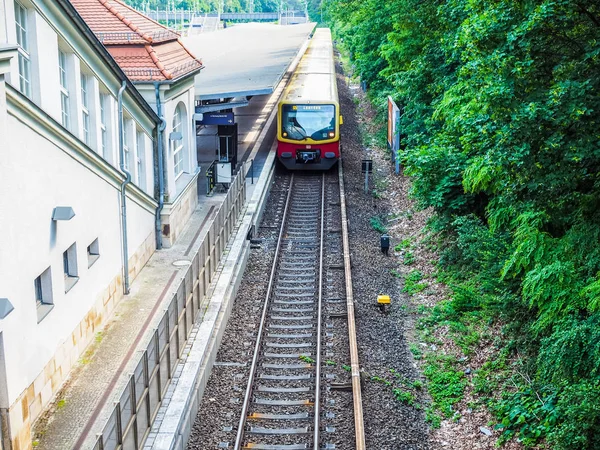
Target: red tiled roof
[(153, 63), (143, 48)]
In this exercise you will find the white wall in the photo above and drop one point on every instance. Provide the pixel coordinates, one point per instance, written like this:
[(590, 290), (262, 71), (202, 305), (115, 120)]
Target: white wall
[(171, 95), (44, 44), (190, 160), (41, 167), (37, 176)]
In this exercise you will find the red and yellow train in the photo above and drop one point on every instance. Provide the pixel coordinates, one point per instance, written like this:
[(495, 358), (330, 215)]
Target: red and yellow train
[(309, 119)]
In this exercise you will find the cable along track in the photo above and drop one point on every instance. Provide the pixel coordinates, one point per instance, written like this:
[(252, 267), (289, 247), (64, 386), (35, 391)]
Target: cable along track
[(281, 405)]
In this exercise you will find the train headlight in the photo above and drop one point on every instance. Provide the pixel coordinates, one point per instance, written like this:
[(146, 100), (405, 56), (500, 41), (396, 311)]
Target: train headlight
[(284, 134), (331, 134)]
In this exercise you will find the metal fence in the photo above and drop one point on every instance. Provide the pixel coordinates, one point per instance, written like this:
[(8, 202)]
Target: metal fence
[(133, 414)]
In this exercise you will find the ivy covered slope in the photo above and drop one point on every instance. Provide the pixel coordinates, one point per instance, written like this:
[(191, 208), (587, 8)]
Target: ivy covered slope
[(501, 134)]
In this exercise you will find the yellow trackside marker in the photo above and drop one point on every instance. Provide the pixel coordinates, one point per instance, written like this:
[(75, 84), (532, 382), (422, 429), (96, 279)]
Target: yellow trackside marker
[(383, 300)]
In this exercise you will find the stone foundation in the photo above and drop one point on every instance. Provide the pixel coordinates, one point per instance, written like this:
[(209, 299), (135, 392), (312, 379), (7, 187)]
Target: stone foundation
[(174, 216)]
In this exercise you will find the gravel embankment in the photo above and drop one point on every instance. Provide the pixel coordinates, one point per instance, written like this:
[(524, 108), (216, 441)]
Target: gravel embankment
[(385, 359)]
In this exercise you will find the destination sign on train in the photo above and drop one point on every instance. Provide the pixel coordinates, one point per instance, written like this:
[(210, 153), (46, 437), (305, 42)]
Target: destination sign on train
[(306, 107)]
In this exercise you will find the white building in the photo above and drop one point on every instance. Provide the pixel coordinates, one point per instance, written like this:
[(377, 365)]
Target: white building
[(60, 154), (163, 70)]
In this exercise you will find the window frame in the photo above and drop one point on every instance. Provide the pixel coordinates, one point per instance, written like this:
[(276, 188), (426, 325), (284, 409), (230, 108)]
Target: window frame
[(42, 292), (70, 268), (141, 159), (178, 145), (126, 147), (64, 89), (24, 55), (104, 143), (93, 252), (85, 109)]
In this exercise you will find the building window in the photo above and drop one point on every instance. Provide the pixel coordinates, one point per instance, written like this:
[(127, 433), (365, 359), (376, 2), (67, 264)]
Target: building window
[(85, 109), (70, 267), (141, 163), (64, 89), (43, 294), (177, 140), (24, 55), (104, 105), (93, 253), (126, 149)]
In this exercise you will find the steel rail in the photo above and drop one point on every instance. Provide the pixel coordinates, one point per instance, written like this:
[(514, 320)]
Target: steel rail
[(317, 417), (242, 423), (359, 427)]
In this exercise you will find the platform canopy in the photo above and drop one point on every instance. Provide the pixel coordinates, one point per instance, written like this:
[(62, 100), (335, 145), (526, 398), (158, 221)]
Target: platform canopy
[(246, 59)]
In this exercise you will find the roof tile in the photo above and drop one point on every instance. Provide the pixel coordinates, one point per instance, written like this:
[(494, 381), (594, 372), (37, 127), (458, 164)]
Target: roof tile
[(143, 48)]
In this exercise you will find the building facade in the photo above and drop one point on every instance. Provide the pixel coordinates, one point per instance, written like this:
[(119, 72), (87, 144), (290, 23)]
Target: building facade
[(163, 70), (68, 248)]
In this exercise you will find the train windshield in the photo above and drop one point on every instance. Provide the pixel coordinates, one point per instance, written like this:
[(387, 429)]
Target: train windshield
[(316, 122)]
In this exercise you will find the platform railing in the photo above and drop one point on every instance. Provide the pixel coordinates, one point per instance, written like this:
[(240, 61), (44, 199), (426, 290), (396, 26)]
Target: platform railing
[(131, 420)]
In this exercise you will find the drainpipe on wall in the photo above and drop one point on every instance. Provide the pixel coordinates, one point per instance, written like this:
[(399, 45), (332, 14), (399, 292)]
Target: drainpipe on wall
[(126, 181), (161, 175)]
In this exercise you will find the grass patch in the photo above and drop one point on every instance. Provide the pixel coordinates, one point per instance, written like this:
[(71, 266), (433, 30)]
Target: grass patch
[(408, 258), (377, 225), (306, 359), (404, 244), (412, 283), (403, 396), (415, 350), (432, 417), (446, 384)]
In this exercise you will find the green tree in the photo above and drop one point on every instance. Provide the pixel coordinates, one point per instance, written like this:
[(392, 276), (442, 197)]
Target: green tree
[(501, 104)]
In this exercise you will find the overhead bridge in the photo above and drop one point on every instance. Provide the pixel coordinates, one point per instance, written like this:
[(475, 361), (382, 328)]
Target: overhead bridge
[(188, 15)]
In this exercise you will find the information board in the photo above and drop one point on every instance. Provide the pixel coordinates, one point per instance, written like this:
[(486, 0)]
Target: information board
[(393, 131)]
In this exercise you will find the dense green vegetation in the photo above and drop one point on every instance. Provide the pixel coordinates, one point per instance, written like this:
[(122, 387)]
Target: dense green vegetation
[(501, 135)]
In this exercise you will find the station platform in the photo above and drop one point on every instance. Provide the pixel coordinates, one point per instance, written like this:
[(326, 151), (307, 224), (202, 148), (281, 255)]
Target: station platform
[(86, 403)]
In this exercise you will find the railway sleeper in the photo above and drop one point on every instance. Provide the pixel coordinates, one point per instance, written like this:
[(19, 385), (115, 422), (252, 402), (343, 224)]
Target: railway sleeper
[(296, 345), (282, 402), (261, 430), (276, 447), (267, 416)]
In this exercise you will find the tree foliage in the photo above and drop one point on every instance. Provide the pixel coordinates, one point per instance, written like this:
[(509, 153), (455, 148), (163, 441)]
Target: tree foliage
[(501, 108)]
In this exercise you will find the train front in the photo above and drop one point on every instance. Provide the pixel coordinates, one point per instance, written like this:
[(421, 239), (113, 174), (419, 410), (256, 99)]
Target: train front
[(308, 135)]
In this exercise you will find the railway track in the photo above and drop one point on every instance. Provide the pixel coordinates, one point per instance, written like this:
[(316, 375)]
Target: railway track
[(287, 375), (282, 401)]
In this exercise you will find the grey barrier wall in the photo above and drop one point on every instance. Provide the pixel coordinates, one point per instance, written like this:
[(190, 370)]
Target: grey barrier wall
[(132, 417)]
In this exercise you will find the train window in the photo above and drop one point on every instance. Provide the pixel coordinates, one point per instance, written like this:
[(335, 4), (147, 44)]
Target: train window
[(316, 122)]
